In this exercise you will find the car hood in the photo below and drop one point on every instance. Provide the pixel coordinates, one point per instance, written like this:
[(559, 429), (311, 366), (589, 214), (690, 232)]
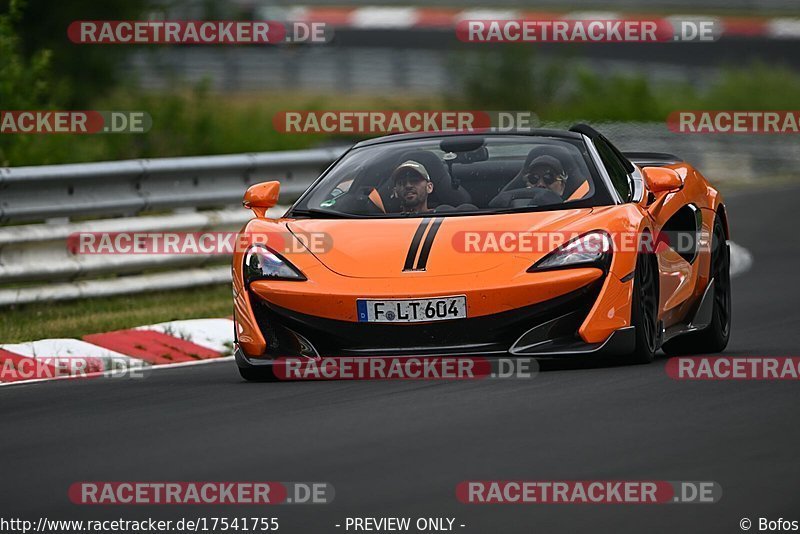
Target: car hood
[(385, 248)]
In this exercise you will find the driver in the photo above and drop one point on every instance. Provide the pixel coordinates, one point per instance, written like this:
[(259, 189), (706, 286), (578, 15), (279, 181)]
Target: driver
[(546, 172), (412, 185)]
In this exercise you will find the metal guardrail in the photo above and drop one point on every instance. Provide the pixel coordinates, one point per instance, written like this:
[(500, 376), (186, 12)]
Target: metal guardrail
[(130, 187), (751, 158), (36, 265), (45, 246), (38, 254), (35, 261)]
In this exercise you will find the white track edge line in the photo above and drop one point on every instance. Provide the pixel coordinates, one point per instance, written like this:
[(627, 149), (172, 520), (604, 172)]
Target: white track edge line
[(112, 374)]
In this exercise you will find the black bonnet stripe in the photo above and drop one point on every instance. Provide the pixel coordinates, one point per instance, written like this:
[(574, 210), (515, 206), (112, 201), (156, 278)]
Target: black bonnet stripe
[(426, 247), (412, 250)]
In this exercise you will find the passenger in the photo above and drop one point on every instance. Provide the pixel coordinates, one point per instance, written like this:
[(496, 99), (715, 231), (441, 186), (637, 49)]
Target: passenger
[(546, 172), (412, 185)]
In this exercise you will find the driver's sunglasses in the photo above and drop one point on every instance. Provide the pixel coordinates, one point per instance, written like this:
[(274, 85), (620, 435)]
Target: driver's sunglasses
[(548, 177)]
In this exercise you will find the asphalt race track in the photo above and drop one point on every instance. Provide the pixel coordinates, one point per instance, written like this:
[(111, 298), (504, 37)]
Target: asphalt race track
[(400, 448)]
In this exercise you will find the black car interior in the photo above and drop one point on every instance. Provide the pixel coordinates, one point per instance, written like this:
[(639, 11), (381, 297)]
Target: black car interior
[(460, 180)]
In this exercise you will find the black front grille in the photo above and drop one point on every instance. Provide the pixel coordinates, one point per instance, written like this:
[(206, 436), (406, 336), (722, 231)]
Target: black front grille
[(492, 333)]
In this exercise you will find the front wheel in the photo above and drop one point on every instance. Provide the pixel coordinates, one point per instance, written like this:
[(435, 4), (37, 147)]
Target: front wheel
[(644, 309)]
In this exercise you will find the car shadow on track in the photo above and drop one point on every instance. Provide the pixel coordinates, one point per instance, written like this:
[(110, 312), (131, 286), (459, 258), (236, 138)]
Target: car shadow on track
[(582, 363)]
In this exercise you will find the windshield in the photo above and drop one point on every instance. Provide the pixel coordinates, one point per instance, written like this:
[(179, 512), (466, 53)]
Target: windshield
[(457, 175)]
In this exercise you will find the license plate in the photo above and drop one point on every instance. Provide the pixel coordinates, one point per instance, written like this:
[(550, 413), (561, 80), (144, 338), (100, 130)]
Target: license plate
[(412, 310)]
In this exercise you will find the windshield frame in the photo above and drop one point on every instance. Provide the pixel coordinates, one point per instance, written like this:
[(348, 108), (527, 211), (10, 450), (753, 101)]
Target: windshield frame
[(601, 197)]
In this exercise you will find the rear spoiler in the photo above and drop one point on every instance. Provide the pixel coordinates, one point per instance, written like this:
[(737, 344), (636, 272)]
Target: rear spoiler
[(652, 159)]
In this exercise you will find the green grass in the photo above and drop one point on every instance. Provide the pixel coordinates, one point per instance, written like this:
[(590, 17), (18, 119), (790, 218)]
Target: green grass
[(74, 319), (196, 121)]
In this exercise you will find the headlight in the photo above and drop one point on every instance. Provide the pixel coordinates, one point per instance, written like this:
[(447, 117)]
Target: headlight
[(260, 263), (593, 248)]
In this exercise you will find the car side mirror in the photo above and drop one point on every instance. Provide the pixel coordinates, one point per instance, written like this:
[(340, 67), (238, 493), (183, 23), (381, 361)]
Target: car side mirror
[(661, 179), (261, 197)]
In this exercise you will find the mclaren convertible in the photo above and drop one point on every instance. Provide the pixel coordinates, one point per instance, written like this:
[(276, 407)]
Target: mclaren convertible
[(542, 244)]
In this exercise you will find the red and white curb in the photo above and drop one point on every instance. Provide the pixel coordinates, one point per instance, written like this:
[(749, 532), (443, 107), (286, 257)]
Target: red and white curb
[(400, 18), (170, 344)]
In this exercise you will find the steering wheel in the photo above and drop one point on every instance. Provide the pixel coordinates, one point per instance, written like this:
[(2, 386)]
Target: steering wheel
[(528, 196)]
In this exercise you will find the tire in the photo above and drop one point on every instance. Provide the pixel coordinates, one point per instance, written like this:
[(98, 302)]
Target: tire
[(644, 309), (258, 374), (714, 338)]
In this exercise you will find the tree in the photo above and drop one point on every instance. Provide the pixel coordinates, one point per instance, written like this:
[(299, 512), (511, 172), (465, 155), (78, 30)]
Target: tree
[(85, 71), (25, 83)]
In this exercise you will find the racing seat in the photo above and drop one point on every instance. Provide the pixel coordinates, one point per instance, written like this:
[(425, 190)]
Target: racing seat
[(381, 197), (575, 178), (443, 192)]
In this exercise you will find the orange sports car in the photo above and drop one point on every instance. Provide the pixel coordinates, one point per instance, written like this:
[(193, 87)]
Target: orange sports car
[(538, 244)]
